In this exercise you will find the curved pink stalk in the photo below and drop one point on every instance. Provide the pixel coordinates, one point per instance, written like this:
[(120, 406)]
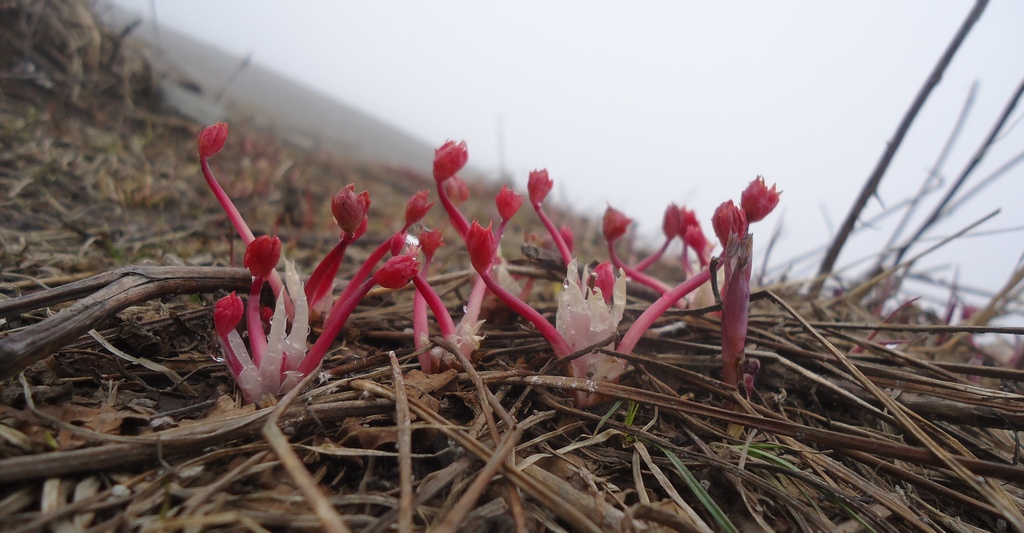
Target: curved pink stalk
[(635, 274), (658, 308), (254, 322), (458, 220), (643, 265), (481, 244), (563, 248), (367, 266), (431, 298), (241, 227), (538, 186), (395, 273)]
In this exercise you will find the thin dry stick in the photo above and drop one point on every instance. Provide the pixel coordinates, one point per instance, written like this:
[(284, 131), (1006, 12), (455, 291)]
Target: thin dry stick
[(203, 494), (857, 293), (694, 519), (329, 518), (488, 404), (458, 512), (527, 482), (124, 287), (990, 490), (181, 439), (986, 181), (404, 446), (871, 186), (933, 174), (941, 209), (808, 434)]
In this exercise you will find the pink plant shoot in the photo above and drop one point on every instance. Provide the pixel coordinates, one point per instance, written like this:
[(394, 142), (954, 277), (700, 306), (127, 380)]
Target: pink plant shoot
[(585, 317), (758, 200), (735, 304), (211, 141), (614, 226), (449, 160), (276, 361), (539, 185), (350, 208), (270, 369), (670, 227), (731, 228)]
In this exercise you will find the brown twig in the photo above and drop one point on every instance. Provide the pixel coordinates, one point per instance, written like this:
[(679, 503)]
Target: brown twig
[(979, 154), (871, 186), (117, 290), (458, 512), (214, 432), (329, 518), (404, 425), (934, 174)]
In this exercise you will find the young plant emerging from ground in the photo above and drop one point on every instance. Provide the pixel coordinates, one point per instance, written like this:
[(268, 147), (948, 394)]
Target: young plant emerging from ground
[(591, 303)]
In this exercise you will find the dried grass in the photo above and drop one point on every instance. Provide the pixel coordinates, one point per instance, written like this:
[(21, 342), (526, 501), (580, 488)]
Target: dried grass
[(859, 423)]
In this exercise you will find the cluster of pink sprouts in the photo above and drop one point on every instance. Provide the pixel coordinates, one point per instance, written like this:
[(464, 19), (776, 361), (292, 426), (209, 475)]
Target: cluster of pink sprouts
[(590, 305)]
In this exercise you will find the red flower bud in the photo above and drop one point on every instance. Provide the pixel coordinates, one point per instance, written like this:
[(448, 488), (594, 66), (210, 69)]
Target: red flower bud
[(398, 242), (758, 200), (614, 224), (695, 238), (729, 220), (212, 138), (539, 185), (566, 233), (481, 245), (362, 228), (508, 202), (430, 241), (449, 159), (396, 272), (417, 207), (349, 208), (670, 225), (227, 313), (261, 256), (604, 279), (687, 219), (456, 190)]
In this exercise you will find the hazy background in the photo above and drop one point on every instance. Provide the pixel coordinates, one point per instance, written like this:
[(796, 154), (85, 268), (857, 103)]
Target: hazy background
[(641, 104)]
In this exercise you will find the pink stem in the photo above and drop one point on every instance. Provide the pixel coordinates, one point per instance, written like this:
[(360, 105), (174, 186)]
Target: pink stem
[(254, 322), (500, 231), (687, 267), (430, 297), (320, 281), (735, 305), (339, 314), (230, 357), (643, 265), (456, 217), (475, 302), (555, 235), (366, 267), (658, 308), (242, 228), (558, 343), (634, 274), (419, 311)]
